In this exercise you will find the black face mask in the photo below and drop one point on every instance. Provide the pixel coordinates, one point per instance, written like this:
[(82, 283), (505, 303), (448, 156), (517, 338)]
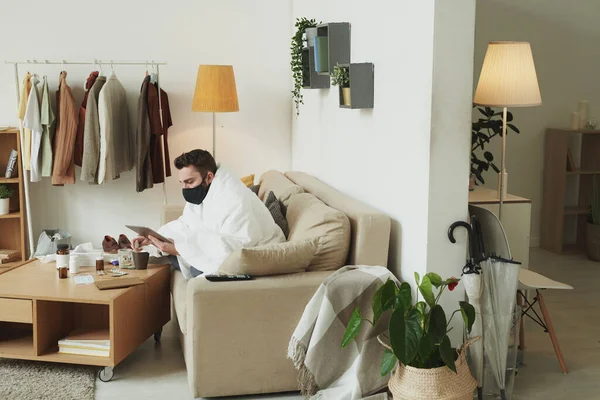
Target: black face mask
[(196, 194)]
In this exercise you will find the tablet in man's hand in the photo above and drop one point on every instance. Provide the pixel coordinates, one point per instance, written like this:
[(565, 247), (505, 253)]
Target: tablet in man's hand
[(145, 232)]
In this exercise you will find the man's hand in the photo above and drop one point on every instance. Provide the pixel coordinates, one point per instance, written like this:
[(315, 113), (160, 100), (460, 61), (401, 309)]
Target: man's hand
[(140, 241), (165, 247)]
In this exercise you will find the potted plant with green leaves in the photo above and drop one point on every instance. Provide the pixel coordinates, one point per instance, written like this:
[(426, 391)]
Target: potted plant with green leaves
[(482, 132), (298, 70), (417, 340), (6, 193), (341, 78), (593, 224)]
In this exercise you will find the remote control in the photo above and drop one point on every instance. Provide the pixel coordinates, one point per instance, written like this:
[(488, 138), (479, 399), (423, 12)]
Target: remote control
[(224, 278)]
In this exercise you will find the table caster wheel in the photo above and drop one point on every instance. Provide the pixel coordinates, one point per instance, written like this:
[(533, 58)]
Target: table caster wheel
[(106, 374), (157, 335)]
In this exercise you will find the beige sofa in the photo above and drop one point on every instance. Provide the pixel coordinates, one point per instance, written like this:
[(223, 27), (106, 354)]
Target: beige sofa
[(235, 334)]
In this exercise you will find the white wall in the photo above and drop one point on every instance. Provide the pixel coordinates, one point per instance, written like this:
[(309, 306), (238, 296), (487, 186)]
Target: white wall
[(408, 156), (450, 142), (252, 36), (563, 37), (379, 156)]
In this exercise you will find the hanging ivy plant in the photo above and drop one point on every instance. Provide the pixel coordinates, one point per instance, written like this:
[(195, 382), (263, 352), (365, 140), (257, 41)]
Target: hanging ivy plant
[(296, 62)]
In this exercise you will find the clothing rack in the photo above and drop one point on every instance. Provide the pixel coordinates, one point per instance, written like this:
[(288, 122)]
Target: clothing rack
[(94, 62)]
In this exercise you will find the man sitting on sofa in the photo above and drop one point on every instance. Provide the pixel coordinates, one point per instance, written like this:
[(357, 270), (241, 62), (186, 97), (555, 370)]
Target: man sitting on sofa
[(221, 215)]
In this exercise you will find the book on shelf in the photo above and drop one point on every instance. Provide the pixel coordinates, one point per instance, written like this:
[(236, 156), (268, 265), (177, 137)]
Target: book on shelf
[(7, 256), (86, 342), (321, 54)]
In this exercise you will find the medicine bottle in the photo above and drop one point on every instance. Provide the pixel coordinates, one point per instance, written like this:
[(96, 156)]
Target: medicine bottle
[(62, 255)]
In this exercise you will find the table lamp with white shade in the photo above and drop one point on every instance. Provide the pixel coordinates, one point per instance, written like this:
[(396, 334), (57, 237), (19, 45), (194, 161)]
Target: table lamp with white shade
[(507, 79), (215, 92)]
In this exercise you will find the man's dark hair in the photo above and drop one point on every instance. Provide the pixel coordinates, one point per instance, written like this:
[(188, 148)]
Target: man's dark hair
[(202, 160)]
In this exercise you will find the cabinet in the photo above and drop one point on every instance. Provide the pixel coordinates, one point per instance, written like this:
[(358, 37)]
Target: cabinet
[(516, 219), (571, 162)]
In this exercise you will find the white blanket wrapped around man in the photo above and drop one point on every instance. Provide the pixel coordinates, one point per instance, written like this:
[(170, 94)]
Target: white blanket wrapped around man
[(231, 217)]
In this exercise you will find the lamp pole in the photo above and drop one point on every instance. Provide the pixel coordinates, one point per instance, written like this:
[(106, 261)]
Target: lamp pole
[(214, 154), (503, 163)]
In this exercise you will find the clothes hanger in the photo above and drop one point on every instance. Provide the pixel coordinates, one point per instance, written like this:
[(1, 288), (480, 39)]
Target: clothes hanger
[(153, 75)]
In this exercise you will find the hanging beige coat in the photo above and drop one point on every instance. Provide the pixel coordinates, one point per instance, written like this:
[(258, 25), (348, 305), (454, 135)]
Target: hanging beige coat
[(23, 98), (66, 131)]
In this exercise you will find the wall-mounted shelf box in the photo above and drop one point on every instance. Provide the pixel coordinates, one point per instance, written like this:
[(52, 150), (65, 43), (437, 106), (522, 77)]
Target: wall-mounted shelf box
[(310, 78), (336, 36), (362, 77)]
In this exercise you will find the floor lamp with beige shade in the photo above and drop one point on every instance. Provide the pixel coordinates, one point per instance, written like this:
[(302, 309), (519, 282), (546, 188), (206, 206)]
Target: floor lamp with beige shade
[(507, 79), (215, 92)]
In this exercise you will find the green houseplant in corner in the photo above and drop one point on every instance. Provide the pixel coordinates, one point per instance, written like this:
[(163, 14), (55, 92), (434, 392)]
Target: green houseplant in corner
[(429, 368), (482, 131), (592, 239), (341, 78), (6, 193), (298, 71)]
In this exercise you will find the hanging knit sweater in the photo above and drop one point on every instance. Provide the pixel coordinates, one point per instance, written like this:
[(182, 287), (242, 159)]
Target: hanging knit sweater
[(116, 137)]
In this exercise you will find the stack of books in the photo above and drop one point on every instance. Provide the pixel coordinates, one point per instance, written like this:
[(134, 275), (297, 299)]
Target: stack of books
[(86, 342), (7, 256)]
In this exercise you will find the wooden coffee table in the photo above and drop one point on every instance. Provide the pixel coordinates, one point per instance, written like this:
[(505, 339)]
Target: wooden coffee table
[(37, 309)]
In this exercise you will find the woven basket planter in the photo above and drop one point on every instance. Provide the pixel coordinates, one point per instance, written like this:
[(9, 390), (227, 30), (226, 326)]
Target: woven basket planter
[(409, 383), (592, 240)]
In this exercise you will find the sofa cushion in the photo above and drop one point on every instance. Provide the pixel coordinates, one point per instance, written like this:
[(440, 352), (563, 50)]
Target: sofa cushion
[(276, 182), (308, 217), (272, 259), (178, 289), (277, 212)]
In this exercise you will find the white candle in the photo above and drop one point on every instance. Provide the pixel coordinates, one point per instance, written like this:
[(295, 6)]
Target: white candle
[(575, 120), (583, 113)]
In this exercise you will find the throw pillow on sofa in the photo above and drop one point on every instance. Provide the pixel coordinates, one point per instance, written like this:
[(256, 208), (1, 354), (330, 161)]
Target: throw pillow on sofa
[(277, 212), (248, 180), (271, 259), (309, 217), (276, 182)]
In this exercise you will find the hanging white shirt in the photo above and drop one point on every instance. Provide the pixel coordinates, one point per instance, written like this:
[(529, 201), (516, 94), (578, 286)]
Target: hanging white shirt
[(33, 121), (231, 217)]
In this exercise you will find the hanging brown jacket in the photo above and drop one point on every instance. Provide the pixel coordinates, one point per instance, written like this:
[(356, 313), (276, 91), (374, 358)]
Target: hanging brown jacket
[(159, 132), (66, 131), (143, 166), (80, 132)]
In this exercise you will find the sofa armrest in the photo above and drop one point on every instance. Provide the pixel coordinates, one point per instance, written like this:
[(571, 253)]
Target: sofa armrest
[(245, 320), (200, 287)]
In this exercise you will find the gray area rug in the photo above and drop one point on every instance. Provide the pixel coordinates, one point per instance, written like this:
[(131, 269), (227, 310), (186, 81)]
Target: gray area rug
[(29, 380)]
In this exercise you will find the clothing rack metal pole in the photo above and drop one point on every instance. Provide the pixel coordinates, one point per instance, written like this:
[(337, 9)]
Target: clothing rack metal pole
[(25, 175), (95, 61), (22, 134)]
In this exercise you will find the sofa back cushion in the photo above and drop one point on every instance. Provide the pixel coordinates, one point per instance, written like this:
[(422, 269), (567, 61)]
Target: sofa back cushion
[(370, 228), (308, 217), (271, 259), (276, 182)]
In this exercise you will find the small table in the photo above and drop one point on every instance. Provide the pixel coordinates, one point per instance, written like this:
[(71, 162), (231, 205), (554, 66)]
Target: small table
[(37, 309)]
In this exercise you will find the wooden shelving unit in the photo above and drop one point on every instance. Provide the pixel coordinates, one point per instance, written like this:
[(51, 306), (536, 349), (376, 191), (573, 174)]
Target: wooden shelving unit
[(12, 225), (567, 191)]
